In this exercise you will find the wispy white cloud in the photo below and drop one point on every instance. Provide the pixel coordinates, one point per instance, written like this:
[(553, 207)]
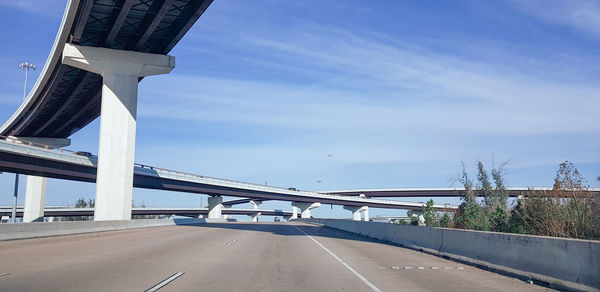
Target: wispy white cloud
[(44, 7), (376, 101), (363, 84), (580, 15)]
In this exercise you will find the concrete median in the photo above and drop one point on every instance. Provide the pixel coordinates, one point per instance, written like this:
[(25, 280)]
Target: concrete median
[(560, 262), (44, 229)]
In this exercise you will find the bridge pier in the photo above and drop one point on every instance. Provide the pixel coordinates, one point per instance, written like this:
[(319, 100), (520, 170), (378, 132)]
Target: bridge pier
[(255, 203), (420, 217), (35, 197), (304, 208), (356, 212), (35, 189), (255, 216), (215, 205), (120, 71), (366, 210)]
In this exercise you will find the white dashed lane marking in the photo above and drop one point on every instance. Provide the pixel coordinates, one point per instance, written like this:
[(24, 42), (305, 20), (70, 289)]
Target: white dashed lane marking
[(361, 277), (420, 268)]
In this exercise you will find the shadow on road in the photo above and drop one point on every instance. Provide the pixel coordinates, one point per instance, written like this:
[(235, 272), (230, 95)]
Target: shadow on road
[(288, 229)]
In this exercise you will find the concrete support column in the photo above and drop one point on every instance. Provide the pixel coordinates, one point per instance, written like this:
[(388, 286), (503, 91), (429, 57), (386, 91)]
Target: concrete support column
[(366, 208), (35, 196), (255, 203), (420, 217), (305, 208), (255, 216), (215, 205), (120, 71), (294, 212), (356, 210), (35, 189)]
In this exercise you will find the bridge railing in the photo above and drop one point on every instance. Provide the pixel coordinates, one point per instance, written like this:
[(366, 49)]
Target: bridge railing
[(246, 185)]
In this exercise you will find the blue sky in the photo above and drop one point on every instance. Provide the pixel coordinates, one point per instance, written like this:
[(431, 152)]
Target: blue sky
[(398, 92)]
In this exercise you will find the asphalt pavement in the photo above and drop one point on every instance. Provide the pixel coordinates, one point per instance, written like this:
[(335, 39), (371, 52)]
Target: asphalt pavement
[(234, 257)]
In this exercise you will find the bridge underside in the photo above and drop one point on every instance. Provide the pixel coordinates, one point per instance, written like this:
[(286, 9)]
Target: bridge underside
[(70, 99)]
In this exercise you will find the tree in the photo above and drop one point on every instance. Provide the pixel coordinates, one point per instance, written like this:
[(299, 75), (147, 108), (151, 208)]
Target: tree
[(501, 192), (469, 195), (445, 220), (485, 186), (470, 216), (414, 219), (430, 214), (499, 220), (81, 203), (565, 211), (516, 221)]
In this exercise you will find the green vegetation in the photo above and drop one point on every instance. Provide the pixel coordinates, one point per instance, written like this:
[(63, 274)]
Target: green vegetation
[(565, 211), (81, 203), (430, 217)]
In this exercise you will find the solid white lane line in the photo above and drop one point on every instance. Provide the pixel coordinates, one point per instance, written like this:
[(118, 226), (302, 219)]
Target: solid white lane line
[(165, 282), (232, 242), (342, 262)]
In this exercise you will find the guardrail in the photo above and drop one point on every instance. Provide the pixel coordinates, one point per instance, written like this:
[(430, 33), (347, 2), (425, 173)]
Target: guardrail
[(563, 263)]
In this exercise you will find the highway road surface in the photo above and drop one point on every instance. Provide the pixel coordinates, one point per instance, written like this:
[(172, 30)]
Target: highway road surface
[(233, 257)]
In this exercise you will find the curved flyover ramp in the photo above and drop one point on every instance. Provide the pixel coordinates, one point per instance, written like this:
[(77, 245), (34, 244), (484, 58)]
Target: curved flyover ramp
[(65, 99)]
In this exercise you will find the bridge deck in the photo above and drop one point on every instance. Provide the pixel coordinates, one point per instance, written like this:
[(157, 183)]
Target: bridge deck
[(65, 99), (263, 257)]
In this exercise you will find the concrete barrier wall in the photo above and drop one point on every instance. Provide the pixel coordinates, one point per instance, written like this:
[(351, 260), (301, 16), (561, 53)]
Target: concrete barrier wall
[(560, 262), (43, 229)]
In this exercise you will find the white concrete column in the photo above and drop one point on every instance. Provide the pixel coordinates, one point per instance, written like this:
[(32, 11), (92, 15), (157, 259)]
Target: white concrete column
[(305, 208), (420, 217), (294, 212), (255, 216), (35, 189), (366, 214), (120, 71), (215, 205), (35, 196), (356, 210), (255, 203)]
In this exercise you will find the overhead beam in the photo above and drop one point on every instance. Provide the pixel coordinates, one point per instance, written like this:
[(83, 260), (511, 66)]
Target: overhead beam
[(154, 23), (118, 22), (73, 95), (188, 24)]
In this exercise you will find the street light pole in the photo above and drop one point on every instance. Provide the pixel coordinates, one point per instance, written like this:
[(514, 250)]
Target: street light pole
[(23, 66), (26, 66)]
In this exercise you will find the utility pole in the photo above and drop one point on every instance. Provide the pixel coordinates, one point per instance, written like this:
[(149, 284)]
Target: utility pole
[(14, 210), (23, 66)]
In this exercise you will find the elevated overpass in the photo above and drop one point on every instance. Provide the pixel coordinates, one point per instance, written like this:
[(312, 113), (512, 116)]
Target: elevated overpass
[(436, 192), (188, 212), (100, 53), (32, 160), (65, 98)]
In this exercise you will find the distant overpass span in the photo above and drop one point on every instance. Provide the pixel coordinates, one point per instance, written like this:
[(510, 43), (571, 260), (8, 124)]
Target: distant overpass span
[(189, 212), (435, 192), (21, 158)]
